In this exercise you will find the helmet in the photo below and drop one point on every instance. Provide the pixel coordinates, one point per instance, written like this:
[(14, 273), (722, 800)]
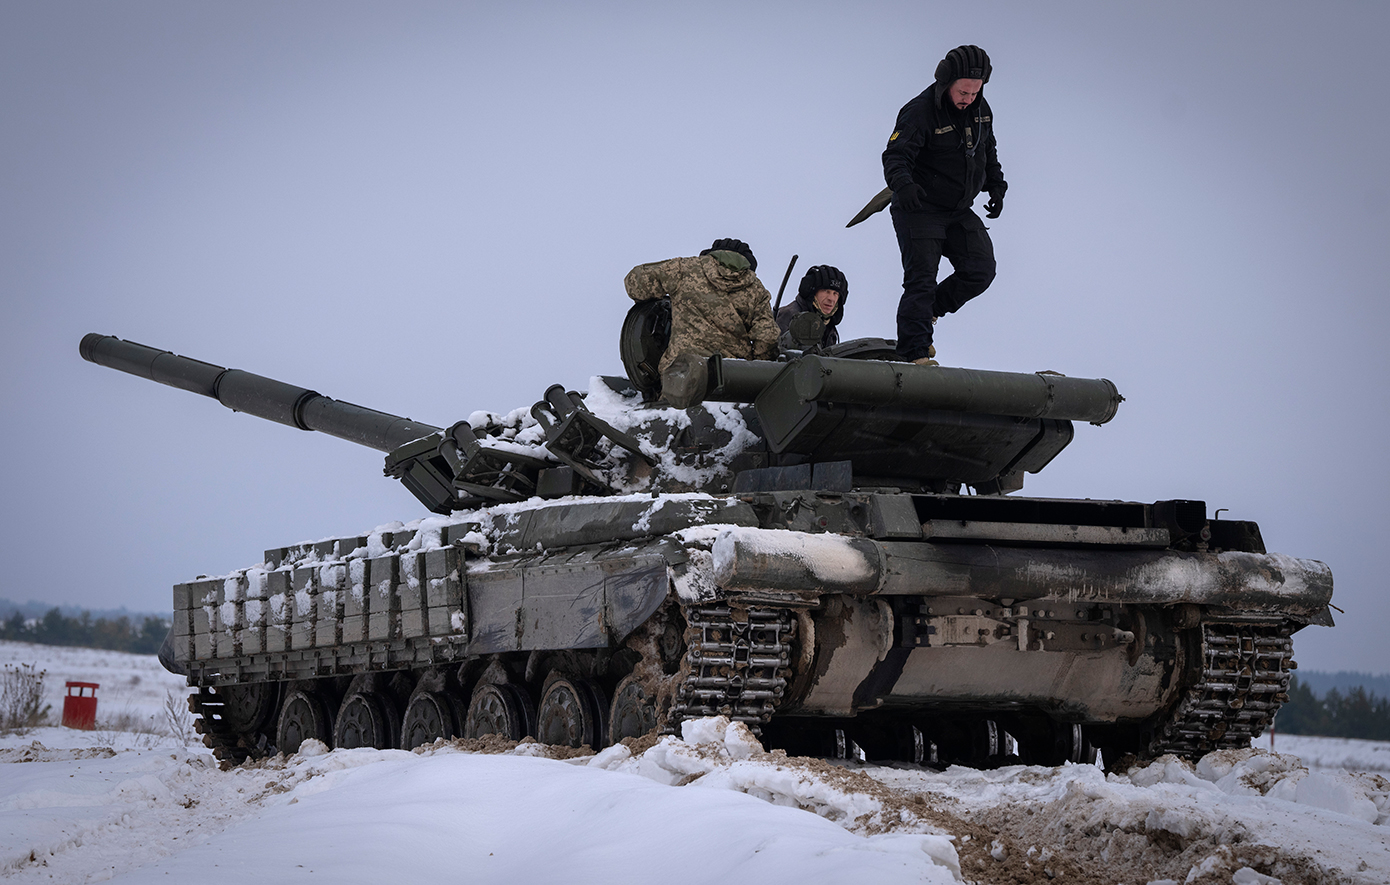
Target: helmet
[(822, 276), (731, 245), (968, 61)]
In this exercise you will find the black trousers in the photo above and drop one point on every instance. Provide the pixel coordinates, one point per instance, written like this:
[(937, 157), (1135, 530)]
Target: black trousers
[(924, 237)]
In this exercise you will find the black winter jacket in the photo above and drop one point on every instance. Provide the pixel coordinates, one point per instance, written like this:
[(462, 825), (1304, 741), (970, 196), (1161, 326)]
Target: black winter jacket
[(951, 153)]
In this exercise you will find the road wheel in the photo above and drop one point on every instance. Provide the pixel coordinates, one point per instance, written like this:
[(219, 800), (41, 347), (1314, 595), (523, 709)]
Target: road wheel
[(1069, 744), (808, 736), (571, 715), (428, 718), (503, 710), (362, 722), (632, 713), (971, 741), (892, 740), (303, 716)]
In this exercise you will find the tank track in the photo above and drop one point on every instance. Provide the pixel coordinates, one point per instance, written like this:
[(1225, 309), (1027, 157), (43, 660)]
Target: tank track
[(1245, 679), (739, 661), (227, 746)]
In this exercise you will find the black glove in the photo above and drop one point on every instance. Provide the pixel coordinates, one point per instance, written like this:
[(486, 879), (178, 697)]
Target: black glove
[(995, 205), (910, 198)]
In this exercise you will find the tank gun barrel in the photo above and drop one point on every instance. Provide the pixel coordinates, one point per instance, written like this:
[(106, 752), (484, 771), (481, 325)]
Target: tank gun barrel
[(256, 395)]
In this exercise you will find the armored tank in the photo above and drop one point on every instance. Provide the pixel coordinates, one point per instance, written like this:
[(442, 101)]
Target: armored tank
[(830, 547)]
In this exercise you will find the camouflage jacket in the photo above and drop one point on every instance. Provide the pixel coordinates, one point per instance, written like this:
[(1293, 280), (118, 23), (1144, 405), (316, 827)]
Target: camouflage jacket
[(717, 305)]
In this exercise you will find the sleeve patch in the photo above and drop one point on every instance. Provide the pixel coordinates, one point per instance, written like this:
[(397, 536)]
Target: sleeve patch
[(894, 136)]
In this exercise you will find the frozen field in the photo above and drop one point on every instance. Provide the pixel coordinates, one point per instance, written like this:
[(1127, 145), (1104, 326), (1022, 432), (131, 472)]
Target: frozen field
[(141, 808), (133, 690)]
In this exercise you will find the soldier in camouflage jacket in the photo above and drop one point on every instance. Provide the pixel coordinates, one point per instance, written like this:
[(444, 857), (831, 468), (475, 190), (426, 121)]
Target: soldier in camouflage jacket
[(717, 303)]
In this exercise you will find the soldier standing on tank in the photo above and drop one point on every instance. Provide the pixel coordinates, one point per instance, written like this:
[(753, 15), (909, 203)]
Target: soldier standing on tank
[(940, 156), (718, 305), (823, 289)]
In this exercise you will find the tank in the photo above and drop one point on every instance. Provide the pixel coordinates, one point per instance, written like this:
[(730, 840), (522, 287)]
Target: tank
[(830, 547)]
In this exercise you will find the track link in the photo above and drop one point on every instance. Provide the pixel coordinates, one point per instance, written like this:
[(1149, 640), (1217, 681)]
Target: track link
[(1244, 680), (739, 660), (224, 744)]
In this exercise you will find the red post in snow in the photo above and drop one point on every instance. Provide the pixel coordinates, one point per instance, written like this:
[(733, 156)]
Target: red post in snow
[(80, 709)]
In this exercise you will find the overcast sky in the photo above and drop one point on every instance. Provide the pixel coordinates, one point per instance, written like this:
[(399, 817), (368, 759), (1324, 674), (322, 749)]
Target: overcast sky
[(428, 208)]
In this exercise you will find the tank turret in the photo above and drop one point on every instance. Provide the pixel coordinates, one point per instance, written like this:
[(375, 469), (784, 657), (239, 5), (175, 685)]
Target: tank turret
[(887, 420)]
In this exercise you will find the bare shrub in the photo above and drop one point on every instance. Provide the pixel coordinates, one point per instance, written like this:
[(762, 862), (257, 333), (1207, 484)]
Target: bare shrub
[(21, 698), (178, 721), (140, 730), (128, 720)]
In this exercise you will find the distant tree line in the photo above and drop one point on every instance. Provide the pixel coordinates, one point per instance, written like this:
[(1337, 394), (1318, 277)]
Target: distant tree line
[(1355, 713), (1343, 680), (115, 634)]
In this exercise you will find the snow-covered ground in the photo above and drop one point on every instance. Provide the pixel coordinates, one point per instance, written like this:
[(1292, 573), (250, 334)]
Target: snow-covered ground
[(138, 808), (1323, 752)]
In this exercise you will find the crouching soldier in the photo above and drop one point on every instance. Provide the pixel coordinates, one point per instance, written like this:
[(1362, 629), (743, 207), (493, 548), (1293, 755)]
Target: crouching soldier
[(822, 292), (717, 306)]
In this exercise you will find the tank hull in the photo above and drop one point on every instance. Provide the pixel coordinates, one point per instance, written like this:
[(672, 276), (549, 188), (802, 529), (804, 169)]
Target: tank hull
[(695, 604)]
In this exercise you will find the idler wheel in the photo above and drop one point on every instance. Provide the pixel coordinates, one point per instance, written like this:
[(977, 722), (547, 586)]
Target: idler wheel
[(428, 718), (362, 722), (303, 716), (571, 714), (632, 714), (503, 710)]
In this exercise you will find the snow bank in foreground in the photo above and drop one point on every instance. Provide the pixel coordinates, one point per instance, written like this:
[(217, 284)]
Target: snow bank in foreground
[(442, 815), (716, 754), (111, 804), (707, 807), (1233, 810)]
